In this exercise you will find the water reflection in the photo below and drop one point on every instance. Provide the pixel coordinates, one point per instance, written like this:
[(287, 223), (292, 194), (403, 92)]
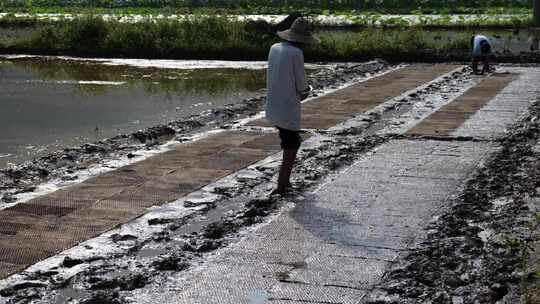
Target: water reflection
[(50, 104), (91, 77)]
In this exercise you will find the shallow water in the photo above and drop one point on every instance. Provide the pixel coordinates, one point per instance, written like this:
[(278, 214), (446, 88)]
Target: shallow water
[(51, 104)]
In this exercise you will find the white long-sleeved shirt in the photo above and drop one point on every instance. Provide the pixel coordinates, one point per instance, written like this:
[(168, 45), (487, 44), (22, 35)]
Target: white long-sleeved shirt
[(286, 78), (477, 50)]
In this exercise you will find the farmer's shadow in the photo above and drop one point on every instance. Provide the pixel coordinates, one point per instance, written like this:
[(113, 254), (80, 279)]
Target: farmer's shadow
[(332, 225)]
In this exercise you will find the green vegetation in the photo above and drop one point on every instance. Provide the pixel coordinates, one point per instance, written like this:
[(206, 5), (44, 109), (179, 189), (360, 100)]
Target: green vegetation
[(217, 37), (272, 7), (195, 37), (536, 13), (442, 21), (345, 20)]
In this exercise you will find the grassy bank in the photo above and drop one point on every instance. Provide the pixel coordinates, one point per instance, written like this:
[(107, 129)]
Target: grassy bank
[(217, 38), (220, 38)]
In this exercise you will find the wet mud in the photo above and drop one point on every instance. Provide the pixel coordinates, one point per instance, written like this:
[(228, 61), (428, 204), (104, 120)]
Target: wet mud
[(185, 242), (63, 164), (476, 249)]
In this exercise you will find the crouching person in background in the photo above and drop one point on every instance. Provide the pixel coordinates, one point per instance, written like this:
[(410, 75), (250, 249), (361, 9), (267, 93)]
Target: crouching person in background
[(287, 87), (481, 52)]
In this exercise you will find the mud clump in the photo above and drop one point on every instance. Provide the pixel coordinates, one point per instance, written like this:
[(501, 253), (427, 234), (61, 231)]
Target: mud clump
[(122, 237), (173, 262), (252, 212), (69, 262), (10, 291), (127, 282), (218, 230), (153, 133), (8, 199), (256, 209), (203, 245), (159, 221)]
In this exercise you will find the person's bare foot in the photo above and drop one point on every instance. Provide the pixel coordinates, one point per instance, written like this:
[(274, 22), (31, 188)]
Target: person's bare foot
[(278, 191), (281, 190)]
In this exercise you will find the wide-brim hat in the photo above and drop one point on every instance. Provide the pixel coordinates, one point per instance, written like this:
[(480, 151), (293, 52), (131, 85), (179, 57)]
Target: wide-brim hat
[(300, 31)]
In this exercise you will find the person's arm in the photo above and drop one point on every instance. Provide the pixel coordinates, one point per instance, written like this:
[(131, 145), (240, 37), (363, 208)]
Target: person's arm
[(300, 76)]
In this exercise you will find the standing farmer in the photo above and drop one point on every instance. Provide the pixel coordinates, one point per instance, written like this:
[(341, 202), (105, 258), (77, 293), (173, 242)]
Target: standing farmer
[(287, 86)]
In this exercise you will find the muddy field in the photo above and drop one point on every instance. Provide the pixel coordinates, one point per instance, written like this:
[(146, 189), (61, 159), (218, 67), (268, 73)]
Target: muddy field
[(474, 251)]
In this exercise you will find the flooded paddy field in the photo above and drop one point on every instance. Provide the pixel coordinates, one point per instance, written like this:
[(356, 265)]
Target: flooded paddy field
[(52, 104)]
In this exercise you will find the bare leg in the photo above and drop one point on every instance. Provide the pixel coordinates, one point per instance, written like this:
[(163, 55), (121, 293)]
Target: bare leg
[(486, 65), (289, 156), (475, 66)]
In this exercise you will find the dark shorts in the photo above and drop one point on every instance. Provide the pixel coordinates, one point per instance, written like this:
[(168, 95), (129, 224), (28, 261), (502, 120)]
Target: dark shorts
[(290, 140), (482, 58)]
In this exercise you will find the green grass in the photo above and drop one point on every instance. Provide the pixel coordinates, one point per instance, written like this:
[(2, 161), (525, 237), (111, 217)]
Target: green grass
[(443, 21), (217, 37), (197, 37), (270, 7), (358, 20)]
